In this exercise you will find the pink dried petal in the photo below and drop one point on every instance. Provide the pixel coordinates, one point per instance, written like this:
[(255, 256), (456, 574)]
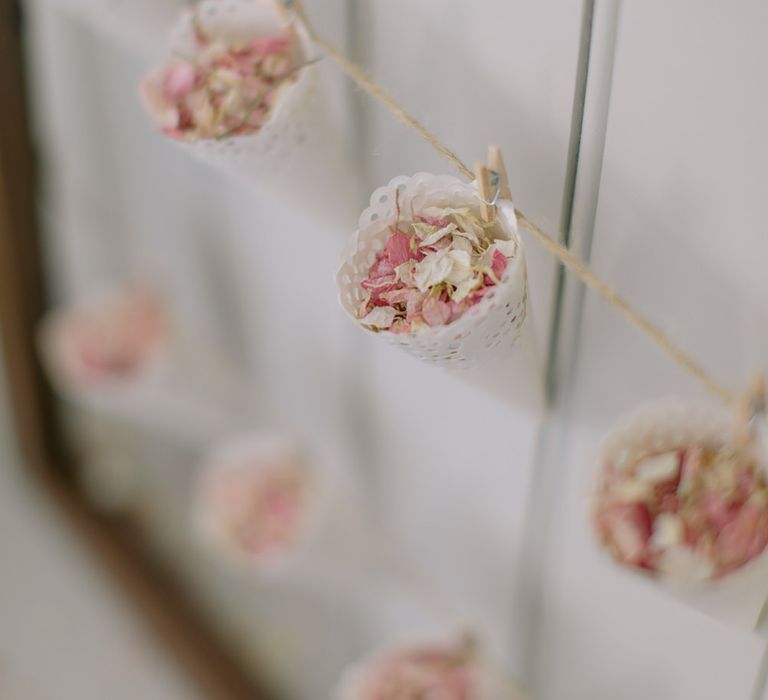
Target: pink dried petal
[(378, 283), (382, 267), (718, 510), (477, 296), (400, 325), (107, 361), (378, 291), (379, 300), (270, 44), (669, 503), (457, 310), (414, 304), (436, 312), (260, 511), (433, 221), (692, 462), (398, 248), (178, 81), (742, 539), (665, 492), (397, 296), (442, 244), (185, 119), (627, 529), (276, 65), (746, 483), (499, 264), (428, 674)]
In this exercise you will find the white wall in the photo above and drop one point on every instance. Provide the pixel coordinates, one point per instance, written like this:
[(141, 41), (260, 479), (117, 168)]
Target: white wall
[(679, 232)]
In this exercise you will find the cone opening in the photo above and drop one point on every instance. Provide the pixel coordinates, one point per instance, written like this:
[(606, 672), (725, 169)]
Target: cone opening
[(416, 670), (231, 66), (678, 498), (110, 341), (258, 503), (402, 204)]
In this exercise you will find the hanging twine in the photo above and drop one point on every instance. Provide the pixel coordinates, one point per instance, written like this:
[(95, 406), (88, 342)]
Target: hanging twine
[(589, 278), (568, 259)]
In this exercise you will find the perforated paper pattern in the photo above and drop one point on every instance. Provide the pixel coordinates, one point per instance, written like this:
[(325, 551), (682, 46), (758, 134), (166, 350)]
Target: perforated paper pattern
[(664, 425), (484, 330)]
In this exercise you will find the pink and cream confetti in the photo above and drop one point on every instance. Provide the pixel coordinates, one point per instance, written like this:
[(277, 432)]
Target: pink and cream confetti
[(256, 504), (222, 89), (112, 340), (447, 672), (692, 513), (432, 269)]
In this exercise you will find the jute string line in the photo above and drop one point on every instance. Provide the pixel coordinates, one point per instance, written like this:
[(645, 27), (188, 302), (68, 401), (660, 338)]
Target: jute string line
[(568, 259)]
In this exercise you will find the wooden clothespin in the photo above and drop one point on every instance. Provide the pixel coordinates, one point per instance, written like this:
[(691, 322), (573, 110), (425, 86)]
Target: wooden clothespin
[(496, 164), (287, 10), (492, 183), (483, 177), (751, 404)]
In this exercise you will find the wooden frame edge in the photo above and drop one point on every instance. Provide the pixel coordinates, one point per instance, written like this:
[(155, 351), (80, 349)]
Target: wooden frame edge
[(152, 589)]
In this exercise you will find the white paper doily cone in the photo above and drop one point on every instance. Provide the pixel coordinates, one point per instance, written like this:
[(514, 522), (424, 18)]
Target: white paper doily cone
[(58, 344), (300, 156), (738, 597), (486, 329), (492, 682), (330, 538), (242, 457), (138, 25)]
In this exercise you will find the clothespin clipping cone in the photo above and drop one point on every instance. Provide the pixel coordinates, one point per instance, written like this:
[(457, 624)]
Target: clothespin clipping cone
[(492, 182), (496, 164), (751, 404), (483, 177), (285, 10)]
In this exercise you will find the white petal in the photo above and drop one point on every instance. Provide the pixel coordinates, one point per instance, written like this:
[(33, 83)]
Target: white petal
[(631, 490), (685, 565), (486, 259), (668, 531), (460, 257), (434, 269), (461, 269), (380, 317), (433, 238), (506, 248), (460, 243), (659, 468), (404, 273), (465, 288), (472, 228)]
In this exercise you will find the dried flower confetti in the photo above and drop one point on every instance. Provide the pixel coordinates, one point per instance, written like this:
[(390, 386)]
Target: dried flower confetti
[(256, 505), (693, 513), (419, 673), (114, 339), (432, 269), (222, 90)]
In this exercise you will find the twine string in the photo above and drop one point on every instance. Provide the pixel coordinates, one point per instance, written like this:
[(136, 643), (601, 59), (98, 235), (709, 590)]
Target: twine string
[(375, 90), (566, 257), (589, 278)]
